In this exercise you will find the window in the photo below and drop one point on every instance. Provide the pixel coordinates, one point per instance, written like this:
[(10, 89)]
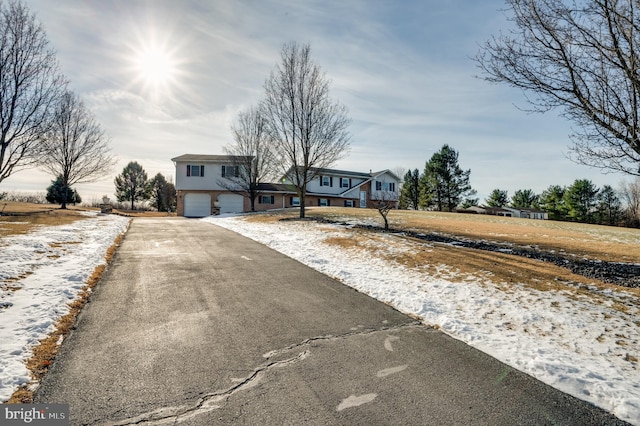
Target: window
[(266, 199), (193, 170), (348, 203), (323, 202), (326, 181), (230, 171), (385, 186), (295, 201), (344, 183)]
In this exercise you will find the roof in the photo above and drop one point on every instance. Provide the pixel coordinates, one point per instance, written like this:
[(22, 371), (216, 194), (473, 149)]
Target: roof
[(275, 187), (336, 172), (208, 158), (323, 171)]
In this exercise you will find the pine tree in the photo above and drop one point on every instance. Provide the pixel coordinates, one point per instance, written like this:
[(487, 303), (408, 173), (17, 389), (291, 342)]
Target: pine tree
[(552, 201), (410, 194), (132, 184), (580, 199), (497, 198), (524, 199), (59, 193), (444, 183)]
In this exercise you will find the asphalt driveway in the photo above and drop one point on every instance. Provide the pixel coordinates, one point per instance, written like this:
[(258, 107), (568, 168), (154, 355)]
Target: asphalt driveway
[(194, 324)]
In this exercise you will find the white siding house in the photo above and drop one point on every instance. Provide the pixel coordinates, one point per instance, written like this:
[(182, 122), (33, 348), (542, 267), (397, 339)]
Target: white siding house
[(201, 192)]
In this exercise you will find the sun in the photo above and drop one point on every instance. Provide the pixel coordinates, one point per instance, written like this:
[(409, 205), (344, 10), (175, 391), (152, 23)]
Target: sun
[(155, 66)]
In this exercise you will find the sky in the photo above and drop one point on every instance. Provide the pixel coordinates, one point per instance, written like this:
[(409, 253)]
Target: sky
[(166, 78)]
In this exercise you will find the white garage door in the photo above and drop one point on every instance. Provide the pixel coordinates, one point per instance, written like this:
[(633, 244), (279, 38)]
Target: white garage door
[(231, 203), (197, 205)]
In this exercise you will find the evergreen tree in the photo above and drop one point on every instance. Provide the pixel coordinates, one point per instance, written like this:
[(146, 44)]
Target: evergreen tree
[(410, 194), (524, 199), (163, 194), (552, 201), (609, 207), (132, 184), (497, 198), (580, 199), (60, 193), (444, 183)]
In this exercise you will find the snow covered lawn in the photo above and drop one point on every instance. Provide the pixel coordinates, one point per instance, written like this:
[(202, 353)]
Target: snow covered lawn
[(585, 343), (40, 273)]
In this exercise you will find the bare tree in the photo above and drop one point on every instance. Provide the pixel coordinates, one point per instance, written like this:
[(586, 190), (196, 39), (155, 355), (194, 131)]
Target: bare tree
[(630, 194), (308, 128), (384, 202), (582, 57), (74, 147), (252, 154), (30, 83)]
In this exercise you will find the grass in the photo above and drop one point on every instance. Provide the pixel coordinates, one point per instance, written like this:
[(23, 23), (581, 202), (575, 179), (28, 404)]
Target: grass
[(444, 260), (21, 218), (607, 243)]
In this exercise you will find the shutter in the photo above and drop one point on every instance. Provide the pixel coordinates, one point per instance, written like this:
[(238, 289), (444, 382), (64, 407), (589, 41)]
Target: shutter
[(202, 171), (188, 170), (331, 181), (318, 201), (328, 202), (349, 182), (290, 201), (224, 169), (321, 180)]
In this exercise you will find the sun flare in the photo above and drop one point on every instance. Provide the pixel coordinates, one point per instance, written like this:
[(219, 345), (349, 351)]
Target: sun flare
[(155, 66)]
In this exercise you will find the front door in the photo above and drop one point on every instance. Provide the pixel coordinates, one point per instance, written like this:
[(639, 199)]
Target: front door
[(363, 199)]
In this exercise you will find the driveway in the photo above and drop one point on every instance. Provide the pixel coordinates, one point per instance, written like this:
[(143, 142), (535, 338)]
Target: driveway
[(197, 325)]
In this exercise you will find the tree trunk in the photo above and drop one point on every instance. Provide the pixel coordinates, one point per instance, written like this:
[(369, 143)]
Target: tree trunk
[(302, 205)]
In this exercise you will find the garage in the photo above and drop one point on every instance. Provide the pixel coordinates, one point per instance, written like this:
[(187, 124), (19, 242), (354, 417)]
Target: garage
[(197, 205), (231, 203)]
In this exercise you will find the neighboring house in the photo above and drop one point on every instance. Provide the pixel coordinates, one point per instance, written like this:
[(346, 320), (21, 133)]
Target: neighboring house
[(199, 192), (507, 212), (528, 213)]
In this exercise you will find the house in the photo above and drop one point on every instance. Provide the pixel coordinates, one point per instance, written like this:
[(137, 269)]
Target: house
[(528, 213), (201, 191), (507, 212)]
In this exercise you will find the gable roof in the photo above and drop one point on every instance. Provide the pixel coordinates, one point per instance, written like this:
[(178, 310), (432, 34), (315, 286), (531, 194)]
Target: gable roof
[(208, 158)]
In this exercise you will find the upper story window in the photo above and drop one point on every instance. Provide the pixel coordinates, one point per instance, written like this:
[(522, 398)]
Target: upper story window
[(195, 170), (344, 183), (326, 181), (230, 171), (385, 186)]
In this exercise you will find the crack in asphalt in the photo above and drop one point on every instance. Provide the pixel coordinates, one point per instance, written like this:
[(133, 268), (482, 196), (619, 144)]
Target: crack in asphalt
[(215, 400)]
